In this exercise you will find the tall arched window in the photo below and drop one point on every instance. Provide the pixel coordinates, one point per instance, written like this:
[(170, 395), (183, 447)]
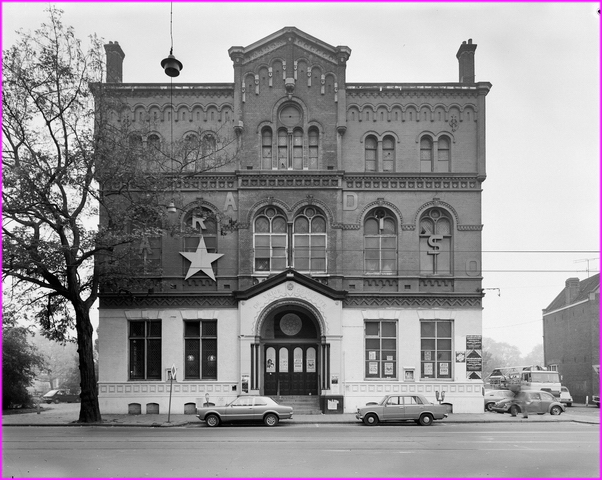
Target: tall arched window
[(309, 240), (282, 149), (435, 242), (266, 148), (443, 154), (298, 149), (371, 149), (270, 240), (388, 154), (426, 154), (209, 147), (314, 143), (380, 242), (190, 152)]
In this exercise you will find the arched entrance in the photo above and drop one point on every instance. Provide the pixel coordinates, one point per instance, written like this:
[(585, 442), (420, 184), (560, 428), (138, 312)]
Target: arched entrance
[(290, 343)]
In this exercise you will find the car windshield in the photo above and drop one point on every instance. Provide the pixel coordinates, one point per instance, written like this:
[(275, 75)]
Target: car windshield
[(50, 393)]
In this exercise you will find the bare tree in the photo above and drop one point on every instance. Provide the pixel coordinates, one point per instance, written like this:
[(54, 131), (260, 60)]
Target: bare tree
[(78, 189)]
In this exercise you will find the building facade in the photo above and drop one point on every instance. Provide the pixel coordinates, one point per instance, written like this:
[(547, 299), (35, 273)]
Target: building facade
[(571, 337), (336, 255)]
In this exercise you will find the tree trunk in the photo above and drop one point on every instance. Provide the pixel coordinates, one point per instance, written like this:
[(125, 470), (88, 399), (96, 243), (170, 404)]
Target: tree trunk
[(89, 410)]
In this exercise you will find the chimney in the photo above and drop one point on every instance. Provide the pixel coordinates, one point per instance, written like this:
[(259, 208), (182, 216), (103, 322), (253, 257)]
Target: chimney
[(571, 291), (465, 58), (115, 58)]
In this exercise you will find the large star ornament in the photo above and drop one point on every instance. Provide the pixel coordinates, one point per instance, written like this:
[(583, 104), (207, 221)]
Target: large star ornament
[(201, 260)]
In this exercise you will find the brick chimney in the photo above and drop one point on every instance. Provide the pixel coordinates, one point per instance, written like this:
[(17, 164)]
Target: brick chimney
[(465, 58), (115, 58), (571, 290)]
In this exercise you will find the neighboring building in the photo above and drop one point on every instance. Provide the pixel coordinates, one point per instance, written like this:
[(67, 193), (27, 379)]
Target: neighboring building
[(349, 264), (571, 337)]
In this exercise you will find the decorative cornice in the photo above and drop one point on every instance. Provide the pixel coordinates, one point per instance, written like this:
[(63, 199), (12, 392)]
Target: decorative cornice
[(414, 301), (164, 301), (470, 228), (407, 182)]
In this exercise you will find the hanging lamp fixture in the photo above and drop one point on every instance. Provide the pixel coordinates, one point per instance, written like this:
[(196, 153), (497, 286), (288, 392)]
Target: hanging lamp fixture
[(171, 64)]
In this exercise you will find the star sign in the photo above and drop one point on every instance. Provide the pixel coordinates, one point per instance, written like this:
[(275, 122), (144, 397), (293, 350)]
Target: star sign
[(201, 260)]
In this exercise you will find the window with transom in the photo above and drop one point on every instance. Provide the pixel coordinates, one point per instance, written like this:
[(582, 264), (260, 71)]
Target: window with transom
[(200, 350), (436, 349), (309, 241), (380, 242), (371, 153), (380, 338), (270, 240), (145, 349), (435, 242), (266, 148)]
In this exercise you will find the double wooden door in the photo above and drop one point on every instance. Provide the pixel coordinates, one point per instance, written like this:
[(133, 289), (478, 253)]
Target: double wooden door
[(291, 369)]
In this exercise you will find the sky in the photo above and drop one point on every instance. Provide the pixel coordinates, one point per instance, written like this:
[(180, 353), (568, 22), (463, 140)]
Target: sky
[(540, 206)]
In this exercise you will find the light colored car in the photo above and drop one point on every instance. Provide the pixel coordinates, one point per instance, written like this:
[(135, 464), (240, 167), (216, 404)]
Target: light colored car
[(398, 408), (565, 396), (536, 401), (246, 408), (58, 396), (491, 397)]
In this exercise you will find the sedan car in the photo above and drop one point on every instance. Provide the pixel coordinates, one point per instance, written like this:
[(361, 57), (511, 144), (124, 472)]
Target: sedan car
[(397, 408), (58, 396), (246, 408), (536, 401), (491, 397), (565, 396)]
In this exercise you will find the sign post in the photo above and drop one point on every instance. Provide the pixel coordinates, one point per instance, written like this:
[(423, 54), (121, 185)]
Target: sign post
[(172, 376)]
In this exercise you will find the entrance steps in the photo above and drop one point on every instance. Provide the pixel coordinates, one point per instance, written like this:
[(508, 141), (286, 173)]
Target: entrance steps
[(302, 404)]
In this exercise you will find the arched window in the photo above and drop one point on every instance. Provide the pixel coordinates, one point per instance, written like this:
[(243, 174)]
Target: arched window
[(208, 149), (135, 142), (371, 149), (388, 154), (309, 241), (282, 149), (380, 242), (198, 223), (154, 143), (443, 154), (435, 242), (314, 142), (426, 154), (190, 153), (298, 149), (266, 148), (270, 240)]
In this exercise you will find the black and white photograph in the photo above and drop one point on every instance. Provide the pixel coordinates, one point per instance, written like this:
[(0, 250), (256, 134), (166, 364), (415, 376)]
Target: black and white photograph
[(300, 239)]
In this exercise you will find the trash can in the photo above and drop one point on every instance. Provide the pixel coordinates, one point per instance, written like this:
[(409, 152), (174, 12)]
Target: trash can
[(332, 404)]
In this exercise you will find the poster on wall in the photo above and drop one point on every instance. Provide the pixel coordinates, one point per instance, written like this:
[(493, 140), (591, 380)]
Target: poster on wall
[(428, 368), (373, 368), (270, 360), (371, 355), (444, 369), (474, 342), (389, 369), (460, 357)]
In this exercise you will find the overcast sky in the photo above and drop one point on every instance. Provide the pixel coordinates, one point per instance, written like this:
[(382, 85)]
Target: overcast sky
[(541, 195)]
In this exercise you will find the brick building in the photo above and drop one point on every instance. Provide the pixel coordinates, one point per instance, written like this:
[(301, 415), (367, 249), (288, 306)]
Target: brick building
[(350, 260), (571, 336)]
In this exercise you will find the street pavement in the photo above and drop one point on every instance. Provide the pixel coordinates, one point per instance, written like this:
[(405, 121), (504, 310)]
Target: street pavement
[(67, 414)]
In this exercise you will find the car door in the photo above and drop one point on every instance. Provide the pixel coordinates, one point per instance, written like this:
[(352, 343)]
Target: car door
[(260, 405), (393, 409), (240, 409), (534, 403), (413, 408)]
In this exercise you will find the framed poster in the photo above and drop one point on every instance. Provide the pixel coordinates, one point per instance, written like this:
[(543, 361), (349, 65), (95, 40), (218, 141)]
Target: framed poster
[(373, 368), (389, 369), (428, 368)]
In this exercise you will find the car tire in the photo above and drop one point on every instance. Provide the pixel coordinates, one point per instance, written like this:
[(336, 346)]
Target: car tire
[(555, 410), (212, 420), (371, 419), (489, 407), (271, 420), (426, 420), (56, 400), (514, 410)]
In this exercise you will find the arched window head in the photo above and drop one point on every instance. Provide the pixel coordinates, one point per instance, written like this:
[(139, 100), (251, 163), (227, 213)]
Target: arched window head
[(371, 153), (380, 242), (309, 240), (435, 231), (426, 154)]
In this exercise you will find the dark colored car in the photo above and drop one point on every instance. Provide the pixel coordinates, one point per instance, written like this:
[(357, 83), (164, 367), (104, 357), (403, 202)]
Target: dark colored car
[(491, 397), (246, 408), (535, 401), (58, 396), (398, 408)]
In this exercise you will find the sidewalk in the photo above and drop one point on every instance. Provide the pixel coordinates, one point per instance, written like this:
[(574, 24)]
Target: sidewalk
[(50, 416)]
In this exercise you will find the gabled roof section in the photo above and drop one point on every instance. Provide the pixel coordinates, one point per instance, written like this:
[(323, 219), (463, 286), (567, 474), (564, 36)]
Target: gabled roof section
[(587, 286), (286, 276), (284, 37)]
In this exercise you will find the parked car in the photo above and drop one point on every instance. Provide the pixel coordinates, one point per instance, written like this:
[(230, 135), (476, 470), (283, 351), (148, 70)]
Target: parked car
[(58, 396), (491, 397), (246, 408), (536, 401), (397, 408), (565, 396), (596, 400)]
